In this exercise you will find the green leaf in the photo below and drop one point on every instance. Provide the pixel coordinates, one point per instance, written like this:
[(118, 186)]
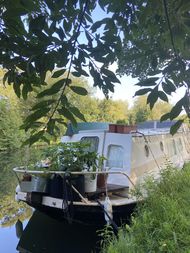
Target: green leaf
[(50, 126), (58, 73), (176, 110), (76, 74), (142, 91), (16, 87), (79, 90), (148, 82), (96, 25), (37, 115), (176, 126), (165, 117), (162, 96), (56, 87), (25, 90), (153, 97), (68, 115), (34, 138), (43, 103), (111, 75), (77, 113), (168, 87)]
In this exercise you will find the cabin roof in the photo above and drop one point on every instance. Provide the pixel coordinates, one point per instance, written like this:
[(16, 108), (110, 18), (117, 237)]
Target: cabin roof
[(154, 124), (147, 127), (82, 126)]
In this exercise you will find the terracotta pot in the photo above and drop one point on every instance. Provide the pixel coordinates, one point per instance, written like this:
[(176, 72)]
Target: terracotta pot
[(112, 128), (102, 180), (125, 129)]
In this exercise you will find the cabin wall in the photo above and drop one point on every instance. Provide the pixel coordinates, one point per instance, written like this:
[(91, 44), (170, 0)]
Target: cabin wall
[(152, 153)]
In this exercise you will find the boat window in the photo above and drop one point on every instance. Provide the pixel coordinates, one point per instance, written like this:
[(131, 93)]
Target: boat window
[(146, 149), (162, 146), (115, 156), (93, 142)]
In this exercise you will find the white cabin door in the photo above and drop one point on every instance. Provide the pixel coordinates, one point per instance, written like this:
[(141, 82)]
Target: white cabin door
[(117, 150)]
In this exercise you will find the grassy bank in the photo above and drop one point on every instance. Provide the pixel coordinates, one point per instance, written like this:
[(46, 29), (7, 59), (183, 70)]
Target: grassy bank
[(162, 224)]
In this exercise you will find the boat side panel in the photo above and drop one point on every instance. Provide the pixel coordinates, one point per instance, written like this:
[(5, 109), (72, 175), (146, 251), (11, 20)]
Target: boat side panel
[(152, 153)]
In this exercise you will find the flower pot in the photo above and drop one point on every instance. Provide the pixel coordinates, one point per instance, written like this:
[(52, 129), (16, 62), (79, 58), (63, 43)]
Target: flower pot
[(125, 129), (26, 186), (102, 181), (112, 128), (37, 184), (90, 183)]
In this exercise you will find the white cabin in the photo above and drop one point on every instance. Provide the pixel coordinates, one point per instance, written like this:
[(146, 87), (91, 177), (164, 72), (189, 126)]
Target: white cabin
[(139, 152)]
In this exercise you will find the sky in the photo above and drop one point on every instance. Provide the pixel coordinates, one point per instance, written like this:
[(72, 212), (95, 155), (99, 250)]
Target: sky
[(126, 90)]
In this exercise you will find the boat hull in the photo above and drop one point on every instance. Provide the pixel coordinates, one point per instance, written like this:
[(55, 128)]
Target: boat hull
[(87, 214)]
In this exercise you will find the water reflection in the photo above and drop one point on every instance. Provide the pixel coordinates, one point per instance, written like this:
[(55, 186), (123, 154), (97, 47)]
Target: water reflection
[(10, 210), (42, 233), (45, 234)]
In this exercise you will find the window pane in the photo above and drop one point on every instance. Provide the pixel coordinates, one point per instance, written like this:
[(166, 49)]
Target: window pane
[(93, 143), (115, 156)]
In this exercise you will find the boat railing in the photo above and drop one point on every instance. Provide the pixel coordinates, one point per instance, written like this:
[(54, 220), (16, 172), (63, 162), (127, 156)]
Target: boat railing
[(24, 170)]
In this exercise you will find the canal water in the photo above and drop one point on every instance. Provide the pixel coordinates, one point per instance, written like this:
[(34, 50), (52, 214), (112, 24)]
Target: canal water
[(25, 230)]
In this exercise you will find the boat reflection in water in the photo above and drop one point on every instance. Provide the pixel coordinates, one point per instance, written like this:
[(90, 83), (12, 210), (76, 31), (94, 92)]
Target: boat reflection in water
[(45, 234)]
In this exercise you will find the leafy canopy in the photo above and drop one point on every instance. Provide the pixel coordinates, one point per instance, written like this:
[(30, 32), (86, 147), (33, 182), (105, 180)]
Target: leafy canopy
[(60, 36), (156, 50)]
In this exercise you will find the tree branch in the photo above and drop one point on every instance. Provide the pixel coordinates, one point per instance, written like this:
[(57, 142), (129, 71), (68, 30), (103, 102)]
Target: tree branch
[(169, 26)]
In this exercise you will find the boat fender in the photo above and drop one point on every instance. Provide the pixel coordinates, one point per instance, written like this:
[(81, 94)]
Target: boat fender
[(108, 210), (16, 192)]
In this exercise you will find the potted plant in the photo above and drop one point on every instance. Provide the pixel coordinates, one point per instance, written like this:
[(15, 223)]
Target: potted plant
[(90, 165), (68, 157), (33, 182), (102, 178)]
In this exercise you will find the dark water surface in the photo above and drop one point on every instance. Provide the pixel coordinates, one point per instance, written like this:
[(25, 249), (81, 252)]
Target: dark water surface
[(27, 231)]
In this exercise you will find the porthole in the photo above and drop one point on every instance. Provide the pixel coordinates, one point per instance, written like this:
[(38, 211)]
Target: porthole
[(161, 146), (146, 149)]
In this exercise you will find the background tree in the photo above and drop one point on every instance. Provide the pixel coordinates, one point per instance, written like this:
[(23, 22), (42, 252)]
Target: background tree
[(112, 111), (141, 112)]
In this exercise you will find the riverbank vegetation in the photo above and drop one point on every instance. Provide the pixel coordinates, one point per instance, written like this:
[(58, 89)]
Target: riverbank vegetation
[(162, 222)]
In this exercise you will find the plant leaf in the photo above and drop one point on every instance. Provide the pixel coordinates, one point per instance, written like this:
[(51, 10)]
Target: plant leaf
[(77, 113), (165, 117), (175, 127), (79, 90), (148, 82), (68, 115), (162, 96), (58, 73), (142, 91), (53, 90)]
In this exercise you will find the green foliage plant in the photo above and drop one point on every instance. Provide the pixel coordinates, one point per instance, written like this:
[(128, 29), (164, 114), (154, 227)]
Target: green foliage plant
[(162, 222), (71, 157)]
